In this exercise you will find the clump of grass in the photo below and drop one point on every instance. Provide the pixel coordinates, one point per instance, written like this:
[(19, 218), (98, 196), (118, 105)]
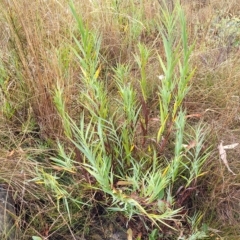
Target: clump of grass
[(30, 62), (107, 144)]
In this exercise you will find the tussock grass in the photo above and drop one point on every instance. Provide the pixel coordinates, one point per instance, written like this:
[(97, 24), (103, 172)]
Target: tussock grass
[(106, 110)]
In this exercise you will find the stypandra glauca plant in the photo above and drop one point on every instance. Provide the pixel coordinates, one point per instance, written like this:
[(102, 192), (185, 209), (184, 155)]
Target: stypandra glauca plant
[(132, 181)]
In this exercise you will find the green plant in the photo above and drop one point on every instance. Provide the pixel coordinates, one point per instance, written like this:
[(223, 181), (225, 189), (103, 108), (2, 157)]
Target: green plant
[(93, 94), (177, 74), (129, 183)]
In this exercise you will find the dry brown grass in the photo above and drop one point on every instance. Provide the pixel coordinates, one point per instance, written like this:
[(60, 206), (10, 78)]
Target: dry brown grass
[(36, 52), (215, 94), (38, 33)]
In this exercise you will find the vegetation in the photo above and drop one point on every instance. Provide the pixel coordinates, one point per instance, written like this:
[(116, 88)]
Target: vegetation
[(112, 111)]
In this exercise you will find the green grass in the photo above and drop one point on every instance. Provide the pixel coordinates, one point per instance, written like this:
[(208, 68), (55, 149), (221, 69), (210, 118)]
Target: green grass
[(109, 113)]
